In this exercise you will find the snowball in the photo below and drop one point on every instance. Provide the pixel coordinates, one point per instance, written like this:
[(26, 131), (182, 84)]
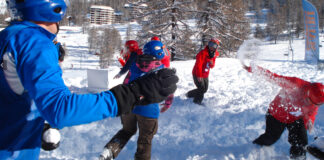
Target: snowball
[(52, 136)]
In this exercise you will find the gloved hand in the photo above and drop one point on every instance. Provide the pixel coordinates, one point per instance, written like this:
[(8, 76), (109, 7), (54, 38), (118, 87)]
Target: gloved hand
[(117, 76), (165, 107), (247, 68), (50, 138), (152, 88)]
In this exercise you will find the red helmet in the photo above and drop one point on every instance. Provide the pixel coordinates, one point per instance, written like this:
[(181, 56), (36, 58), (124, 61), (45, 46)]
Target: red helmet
[(215, 41), (315, 92), (155, 38), (132, 45)]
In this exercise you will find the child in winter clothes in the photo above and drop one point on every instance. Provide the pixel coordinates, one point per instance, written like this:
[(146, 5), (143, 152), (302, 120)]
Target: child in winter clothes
[(145, 117), (205, 60), (294, 108), (131, 52)]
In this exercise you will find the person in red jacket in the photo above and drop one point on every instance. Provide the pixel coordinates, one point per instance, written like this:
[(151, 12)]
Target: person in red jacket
[(205, 60), (132, 51), (294, 108), (129, 47)]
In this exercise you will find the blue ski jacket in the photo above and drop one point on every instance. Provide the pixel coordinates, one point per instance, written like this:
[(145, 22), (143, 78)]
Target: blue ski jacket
[(32, 90), (150, 110)]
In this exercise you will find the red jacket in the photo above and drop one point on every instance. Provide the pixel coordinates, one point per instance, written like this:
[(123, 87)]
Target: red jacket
[(125, 56), (166, 58), (204, 63), (291, 103)]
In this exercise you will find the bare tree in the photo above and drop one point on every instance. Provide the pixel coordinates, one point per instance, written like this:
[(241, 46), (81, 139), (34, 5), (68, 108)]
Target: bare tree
[(104, 42), (225, 20), (166, 19)]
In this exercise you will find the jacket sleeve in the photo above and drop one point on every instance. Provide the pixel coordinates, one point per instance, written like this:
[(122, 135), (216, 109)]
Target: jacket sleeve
[(282, 81), (212, 65), (121, 61), (40, 74), (309, 114), (199, 64), (129, 63)]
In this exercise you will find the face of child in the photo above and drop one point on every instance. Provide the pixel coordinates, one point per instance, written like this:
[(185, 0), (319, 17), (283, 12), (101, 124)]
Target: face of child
[(212, 47)]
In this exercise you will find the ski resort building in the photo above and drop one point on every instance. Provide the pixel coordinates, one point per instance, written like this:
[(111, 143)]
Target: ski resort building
[(101, 15)]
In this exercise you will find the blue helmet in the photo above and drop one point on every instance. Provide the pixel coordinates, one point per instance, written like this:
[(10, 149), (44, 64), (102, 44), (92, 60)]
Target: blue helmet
[(154, 48), (39, 10)]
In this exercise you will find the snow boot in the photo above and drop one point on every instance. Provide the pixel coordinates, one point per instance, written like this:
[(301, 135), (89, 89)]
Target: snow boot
[(297, 153), (106, 154)]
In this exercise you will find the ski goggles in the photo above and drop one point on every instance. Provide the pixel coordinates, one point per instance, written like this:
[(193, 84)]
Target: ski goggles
[(212, 44)]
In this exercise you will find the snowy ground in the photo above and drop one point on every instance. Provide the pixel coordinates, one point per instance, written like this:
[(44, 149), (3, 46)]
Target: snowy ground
[(223, 129)]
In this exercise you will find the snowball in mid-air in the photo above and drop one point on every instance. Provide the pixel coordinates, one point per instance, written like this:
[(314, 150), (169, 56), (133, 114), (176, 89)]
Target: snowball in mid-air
[(249, 50)]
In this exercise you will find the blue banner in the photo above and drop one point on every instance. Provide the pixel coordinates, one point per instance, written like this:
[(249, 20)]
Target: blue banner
[(311, 32)]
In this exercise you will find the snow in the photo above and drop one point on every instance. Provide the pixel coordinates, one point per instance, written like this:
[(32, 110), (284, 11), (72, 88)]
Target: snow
[(232, 116), (318, 143)]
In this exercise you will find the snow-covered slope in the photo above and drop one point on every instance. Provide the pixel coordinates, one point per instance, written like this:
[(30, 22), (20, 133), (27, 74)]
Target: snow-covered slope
[(233, 114)]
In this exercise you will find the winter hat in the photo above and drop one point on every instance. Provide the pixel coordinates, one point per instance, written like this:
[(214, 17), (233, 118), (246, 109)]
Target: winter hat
[(315, 92), (132, 45), (155, 38), (37, 10)]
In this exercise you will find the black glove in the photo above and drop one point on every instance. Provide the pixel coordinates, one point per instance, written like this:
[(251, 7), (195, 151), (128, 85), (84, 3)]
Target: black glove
[(48, 131), (152, 88)]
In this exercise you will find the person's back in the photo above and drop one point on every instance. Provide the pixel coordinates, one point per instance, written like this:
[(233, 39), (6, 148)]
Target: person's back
[(22, 44), (24, 64)]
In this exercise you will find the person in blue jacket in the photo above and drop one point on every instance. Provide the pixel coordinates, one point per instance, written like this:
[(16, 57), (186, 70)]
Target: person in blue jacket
[(32, 89), (143, 116)]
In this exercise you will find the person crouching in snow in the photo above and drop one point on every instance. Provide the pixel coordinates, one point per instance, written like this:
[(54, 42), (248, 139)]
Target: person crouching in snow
[(205, 60), (145, 116), (294, 108)]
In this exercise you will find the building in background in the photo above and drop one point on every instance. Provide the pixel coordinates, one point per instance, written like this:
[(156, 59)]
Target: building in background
[(101, 15), (118, 17)]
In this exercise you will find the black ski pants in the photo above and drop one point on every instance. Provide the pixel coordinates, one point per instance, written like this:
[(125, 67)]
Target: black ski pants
[(147, 129), (297, 135), (198, 93)]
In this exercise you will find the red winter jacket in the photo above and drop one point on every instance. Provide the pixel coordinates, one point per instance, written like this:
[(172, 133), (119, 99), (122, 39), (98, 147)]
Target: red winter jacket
[(166, 58), (204, 63), (125, 56), (291, 103)]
